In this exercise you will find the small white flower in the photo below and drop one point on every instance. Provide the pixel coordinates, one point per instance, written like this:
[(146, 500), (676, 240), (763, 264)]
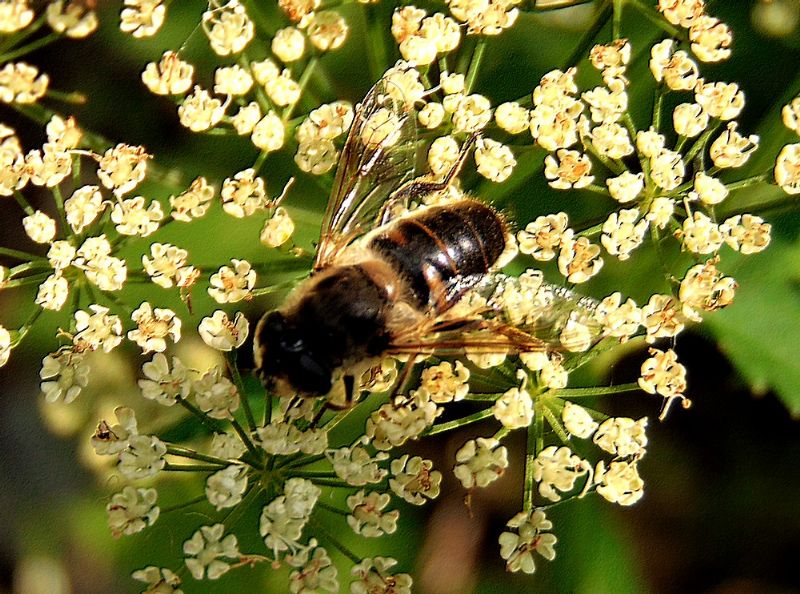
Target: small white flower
[(221, 333)]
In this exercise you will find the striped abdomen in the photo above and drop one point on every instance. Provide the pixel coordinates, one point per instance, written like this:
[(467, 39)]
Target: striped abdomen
[(442, 251)]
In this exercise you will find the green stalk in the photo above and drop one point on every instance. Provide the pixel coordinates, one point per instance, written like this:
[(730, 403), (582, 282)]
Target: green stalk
[(230, 360), (474, 64), (26, 49), (188, 453), (462, 422), (324, 533), (569, 393)]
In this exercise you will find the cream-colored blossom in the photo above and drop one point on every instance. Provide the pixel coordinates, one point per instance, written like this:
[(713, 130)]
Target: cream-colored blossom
[(142, 18), (720, 100), (494, 160), (480, 462), (53, 292), (711, 39), (15, 15), (579, 259), (556, 470), (578, 421), (327, 30), (746, 233), (283, 90), (97, 330), (154, 326), (568, 169), (230, 285), (619, 482), (222, 333), (277, 229), (193, 203), (71, 19), (700, 234), (662, 317), (122, 168), (689, 119), (623, 232), (626, 187), (40, 227), (243, 194), (675, 68), (787, 169), (132, 217), (269, 133), (228, 28), (517, 548), (512, 117), (199, 111), (22, 83), (542, 237)]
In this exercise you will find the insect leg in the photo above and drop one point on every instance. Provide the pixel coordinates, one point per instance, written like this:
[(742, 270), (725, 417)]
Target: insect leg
[(419, 187)]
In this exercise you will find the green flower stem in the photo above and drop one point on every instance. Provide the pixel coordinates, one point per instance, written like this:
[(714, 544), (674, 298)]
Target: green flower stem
[(211, 424), (643, 161), (315, 474), (246, 439), (332, 483), (230, 360), (330, 508), (600, 20), (184, 505), (474, 64), (654, 17), (551, 6), (616, 26), (23, 203), (535, 444), (450, 425), (750, 181), (34, 279), (337, 418), (260, 160), (59, 199), (501, 433), (302, 82), (20, 36), (20, 255), (30, 47), (74, 98), (596, 189), (26, 327), (658, 102), (701, 142), (187, 453), (548, 407), (302, 461), (236, 512), (191, 467), (569, 393), (483, 397), (324, 533)]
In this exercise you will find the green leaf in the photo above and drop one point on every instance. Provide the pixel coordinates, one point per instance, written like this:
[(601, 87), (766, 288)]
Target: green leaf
[(760, 332)]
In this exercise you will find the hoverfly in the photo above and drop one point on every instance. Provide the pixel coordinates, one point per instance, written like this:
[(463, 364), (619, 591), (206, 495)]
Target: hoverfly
[(385, 283)]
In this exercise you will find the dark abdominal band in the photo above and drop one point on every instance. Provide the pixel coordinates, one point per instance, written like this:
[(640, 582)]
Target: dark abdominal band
[(441, 246)]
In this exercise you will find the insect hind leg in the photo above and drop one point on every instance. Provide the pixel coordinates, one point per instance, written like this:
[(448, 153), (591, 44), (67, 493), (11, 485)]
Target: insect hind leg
[(422, 186)]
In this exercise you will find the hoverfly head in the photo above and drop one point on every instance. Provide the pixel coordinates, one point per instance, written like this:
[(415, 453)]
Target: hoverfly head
[(285, 360)]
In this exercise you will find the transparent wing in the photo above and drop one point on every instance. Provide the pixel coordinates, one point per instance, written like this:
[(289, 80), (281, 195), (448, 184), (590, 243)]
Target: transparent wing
[(377, 158), (506, 314)]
